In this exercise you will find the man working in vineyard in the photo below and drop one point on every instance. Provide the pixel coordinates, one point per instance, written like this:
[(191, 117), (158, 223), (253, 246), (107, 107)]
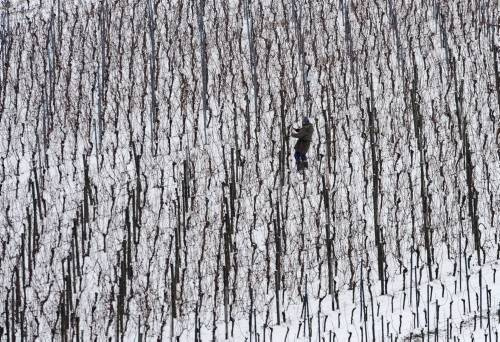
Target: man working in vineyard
[(304, 135)]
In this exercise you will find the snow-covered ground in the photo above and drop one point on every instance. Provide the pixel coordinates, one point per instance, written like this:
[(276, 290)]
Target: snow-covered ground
[(128, 216)]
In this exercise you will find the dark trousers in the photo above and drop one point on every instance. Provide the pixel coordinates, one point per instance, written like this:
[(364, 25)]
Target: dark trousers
[(299, 157)]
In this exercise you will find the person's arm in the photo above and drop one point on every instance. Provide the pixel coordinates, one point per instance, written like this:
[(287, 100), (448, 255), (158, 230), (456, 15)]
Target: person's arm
[(300, 133)]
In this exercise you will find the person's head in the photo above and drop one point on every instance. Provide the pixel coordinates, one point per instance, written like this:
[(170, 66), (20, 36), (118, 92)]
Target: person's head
[(305, 121)]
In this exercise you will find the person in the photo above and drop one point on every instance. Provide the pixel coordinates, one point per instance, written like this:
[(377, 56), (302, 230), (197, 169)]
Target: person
[(304, 136)]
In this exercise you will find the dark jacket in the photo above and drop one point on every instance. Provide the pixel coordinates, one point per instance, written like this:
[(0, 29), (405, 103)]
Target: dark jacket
[(304, 136)]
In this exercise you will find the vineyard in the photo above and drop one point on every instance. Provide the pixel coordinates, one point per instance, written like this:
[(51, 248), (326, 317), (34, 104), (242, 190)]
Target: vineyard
[(148, 189)]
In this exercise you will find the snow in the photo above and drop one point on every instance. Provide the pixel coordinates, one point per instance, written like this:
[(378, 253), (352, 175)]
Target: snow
[(98, 234)]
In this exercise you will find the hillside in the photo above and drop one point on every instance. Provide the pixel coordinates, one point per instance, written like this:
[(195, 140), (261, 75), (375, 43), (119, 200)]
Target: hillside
[(148, 189)]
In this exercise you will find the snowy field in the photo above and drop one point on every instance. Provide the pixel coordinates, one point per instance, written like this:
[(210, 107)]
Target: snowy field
[(148, 189)]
